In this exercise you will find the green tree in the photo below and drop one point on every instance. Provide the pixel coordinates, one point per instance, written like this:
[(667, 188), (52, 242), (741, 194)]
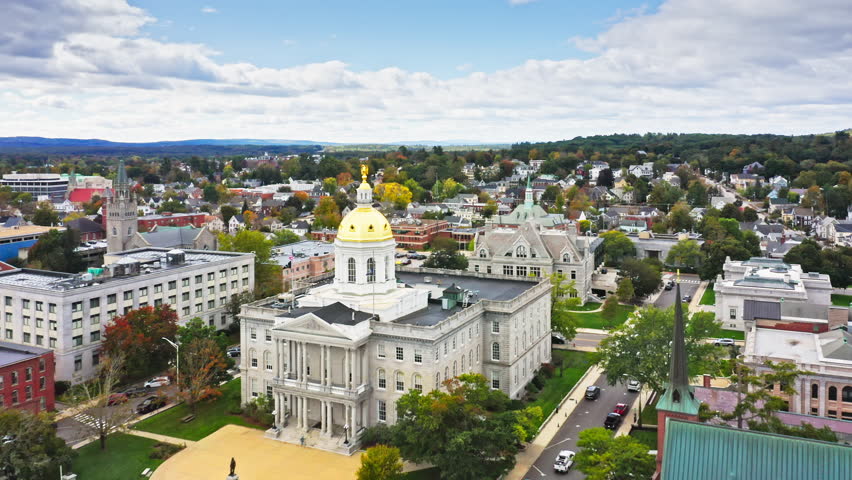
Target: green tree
[(610, 310), (685, 253), (616, 245), (679, 219), (490, 209), (197, 329), (247, 241), (210, 193), (446, 259), (285, 237), (329, 185), (172, 205), (137, 337), (645, 275), (467, 431), (749, 215), (380, 463), (327, 214), (641, 349), (36, 452), (227, 212), (604, 457), (664, 195), (732, 211), (625, 290), (45, 215), (756, 401), (55, 251)]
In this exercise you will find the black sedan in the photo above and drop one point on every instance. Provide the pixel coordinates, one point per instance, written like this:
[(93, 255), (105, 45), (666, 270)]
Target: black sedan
[(150, 404)]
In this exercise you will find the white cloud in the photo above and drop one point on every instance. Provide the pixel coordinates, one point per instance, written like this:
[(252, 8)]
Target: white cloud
[(689, 66), (208, 9), (521, 2), (464, 67)]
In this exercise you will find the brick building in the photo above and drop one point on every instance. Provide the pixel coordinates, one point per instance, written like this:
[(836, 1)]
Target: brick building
[(416, 234), (303, 260), (26, 377), (171, 220)]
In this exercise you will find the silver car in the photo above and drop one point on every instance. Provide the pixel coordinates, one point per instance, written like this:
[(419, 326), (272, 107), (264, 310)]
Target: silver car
[(564, 461), (724, 342), (634, 386)]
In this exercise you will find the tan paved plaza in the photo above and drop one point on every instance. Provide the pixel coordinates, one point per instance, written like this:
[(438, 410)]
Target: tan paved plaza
[(258, 458)]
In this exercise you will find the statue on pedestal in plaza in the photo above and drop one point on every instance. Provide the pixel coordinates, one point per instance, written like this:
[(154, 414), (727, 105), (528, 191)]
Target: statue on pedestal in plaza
[(232, 475)]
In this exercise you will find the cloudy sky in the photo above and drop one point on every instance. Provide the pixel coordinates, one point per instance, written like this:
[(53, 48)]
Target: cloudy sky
[(403, 70)]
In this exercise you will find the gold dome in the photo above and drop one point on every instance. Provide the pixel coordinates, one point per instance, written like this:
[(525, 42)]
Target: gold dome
[(364, 224)]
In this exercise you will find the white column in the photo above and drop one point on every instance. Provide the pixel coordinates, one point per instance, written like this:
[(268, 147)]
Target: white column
[(345, 367), (304, 412), (323, 359), (822, 398), (304, 361), (330, 419), (323, 414)]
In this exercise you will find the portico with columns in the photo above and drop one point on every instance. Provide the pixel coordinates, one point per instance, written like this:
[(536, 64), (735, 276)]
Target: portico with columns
[(321, 380)]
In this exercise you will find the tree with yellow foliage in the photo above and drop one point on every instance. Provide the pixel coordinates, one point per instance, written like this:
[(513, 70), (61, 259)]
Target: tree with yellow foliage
[(393, 192)]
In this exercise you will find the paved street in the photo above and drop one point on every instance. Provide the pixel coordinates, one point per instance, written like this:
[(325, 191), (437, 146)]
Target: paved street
[(588, 414), (584, 341), (688, 285)]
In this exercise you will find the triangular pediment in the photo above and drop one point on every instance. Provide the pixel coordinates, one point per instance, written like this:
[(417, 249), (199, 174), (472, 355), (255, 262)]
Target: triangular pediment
[(310, 323)]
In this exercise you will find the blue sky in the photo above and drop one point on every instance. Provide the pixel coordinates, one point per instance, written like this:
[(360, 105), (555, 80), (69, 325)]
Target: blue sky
[(444, 38), (384, 71)]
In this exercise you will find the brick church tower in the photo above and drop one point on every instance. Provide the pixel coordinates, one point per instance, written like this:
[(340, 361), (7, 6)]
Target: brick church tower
[(678, 401)]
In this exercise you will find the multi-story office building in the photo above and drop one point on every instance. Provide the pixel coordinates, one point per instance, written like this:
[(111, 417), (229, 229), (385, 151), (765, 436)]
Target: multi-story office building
[(67, 312), (337, 358), (51, 185)]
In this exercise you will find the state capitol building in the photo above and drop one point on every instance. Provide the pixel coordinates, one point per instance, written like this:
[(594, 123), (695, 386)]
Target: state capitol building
[(336, 358)]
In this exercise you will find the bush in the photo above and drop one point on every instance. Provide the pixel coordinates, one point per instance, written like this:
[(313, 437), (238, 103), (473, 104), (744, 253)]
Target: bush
[(516, 405), (236, 410), (60, 387), (532, 388), (547, 370), (380, 434), (260, 410), (162, 451), (538, 380)]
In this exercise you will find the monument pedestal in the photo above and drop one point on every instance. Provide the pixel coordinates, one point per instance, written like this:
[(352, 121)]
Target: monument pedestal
[(233, 477)]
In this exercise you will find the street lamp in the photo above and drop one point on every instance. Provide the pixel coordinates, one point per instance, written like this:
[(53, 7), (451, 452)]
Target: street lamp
[(177, 355)]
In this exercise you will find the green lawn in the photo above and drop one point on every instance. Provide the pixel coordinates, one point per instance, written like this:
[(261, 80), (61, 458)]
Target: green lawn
[(841, 300), (209, 416), (587, 307), (425, 474), (575, 365), (595, 320), (125, 457), (734, 334), (649, 414), (709, 297), (648, 437)]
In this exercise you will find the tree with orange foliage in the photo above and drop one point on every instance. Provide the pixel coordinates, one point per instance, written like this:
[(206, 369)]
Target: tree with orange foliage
[(138, 336), (344, 179), (202, 360)]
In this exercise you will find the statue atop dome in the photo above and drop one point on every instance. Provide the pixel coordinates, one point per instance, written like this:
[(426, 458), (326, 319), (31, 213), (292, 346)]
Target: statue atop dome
[(364, 171)]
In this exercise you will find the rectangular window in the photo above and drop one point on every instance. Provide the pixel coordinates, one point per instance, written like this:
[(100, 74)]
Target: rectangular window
[(172, 284), (42, 383), (535, 271), (495, 326), (28, 391), (158, 302), (41, 365), (111, 314), (223, 273), (253, 333), (223, 287), (488, 269), (39, 306), (94, 302), (77, 323), (95, 337), (52, 325), (9, 334), (184, 282), (233, 284), (77, 307), (111, 299), (211, 276), (380, 350), (573, 274), (26, 303), (52, 343), (172, 299), (28, 374), (14, 397), (199, 278), (51, 308), (8, 317), (95, 319), (96, 358), (521, 271), (507, 270), (400, 353), (211, 303), (14, 378), (143, 292), (268, 335), (77, 341), (185, 311), (199, 293), (254, 362), (78, 363), (26, 320), (39, 339), (383, 413), (26, 337), (476, 268), (418, 356), (733, 314), (8, 301), (245, 268), (234, 271), (39, 322), (199, 308), (245, 282), (211, 290), (158, 288), (184, 297), (495, 380)]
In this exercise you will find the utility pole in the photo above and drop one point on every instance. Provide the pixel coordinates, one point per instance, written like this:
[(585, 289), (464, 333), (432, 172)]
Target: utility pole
[(177, 359)]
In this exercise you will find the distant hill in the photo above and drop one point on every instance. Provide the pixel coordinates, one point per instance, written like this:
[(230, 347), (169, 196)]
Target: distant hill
[(35, 142)]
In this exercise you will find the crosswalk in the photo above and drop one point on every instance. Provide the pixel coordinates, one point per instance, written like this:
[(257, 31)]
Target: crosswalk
[(89, 420)]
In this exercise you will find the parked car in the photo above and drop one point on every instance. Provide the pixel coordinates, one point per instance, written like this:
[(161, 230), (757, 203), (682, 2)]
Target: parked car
[(669, 285), (557, 338), (117, 399), (157, 382), (233, 352), (687, 298), (412, 251), (564, 461), (406, 261), (612, 421), (634, 386), (135, 392), (724, 342), (621, 408), (150, 404), (399, 254), (593, 392)]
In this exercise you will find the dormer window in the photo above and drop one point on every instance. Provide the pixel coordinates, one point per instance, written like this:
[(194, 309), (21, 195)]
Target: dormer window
[(482, 253), (566, 258), (521, 251)]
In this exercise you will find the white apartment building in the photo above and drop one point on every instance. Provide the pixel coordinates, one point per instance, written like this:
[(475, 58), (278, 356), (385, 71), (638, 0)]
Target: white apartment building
[(336, 359), (767, 288), (68, 312)]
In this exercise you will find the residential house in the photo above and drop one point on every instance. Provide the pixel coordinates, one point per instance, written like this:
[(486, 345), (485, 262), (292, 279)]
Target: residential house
[(752, 167), (416, 234), (779, 182), (88, 230), (299, 227), (800, 217), (236, 223), (645, 170), (745, 180), (719, 202), (214, 223)]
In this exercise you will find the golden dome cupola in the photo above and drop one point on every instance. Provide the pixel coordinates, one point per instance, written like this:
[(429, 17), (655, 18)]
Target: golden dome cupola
[(364, 223)]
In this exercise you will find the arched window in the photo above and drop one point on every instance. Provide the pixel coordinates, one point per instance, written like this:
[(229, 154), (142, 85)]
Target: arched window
[(114, 231), (371, 270), (482, 253), (437, 381), (446, 373), (847, 394), (462, 363), (267, 360), (455, 372), (383, 382), (351, 269), (832, 393), (566, 258), (814, 390), (477, 356), (471, 359), (417, 381), (521, 251), (130, 230), (495, 350), (400, 382)]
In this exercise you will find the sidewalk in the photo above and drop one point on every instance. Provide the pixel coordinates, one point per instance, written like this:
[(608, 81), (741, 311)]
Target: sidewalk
[(159, 438), (526, 459)]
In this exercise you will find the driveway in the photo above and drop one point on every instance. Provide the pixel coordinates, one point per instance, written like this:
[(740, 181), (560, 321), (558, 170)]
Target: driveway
[(588, 414)]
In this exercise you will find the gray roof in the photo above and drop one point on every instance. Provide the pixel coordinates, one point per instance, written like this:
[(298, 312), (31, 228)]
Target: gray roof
[(172, 237), (546, 244), (13, 353), (843, 228), (840, 347), (341, 314), (753, 309), (84, 225)]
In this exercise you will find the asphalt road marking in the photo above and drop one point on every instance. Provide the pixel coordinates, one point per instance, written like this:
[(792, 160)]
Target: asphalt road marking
[(539, 471), (557, 443), (89, 420)]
